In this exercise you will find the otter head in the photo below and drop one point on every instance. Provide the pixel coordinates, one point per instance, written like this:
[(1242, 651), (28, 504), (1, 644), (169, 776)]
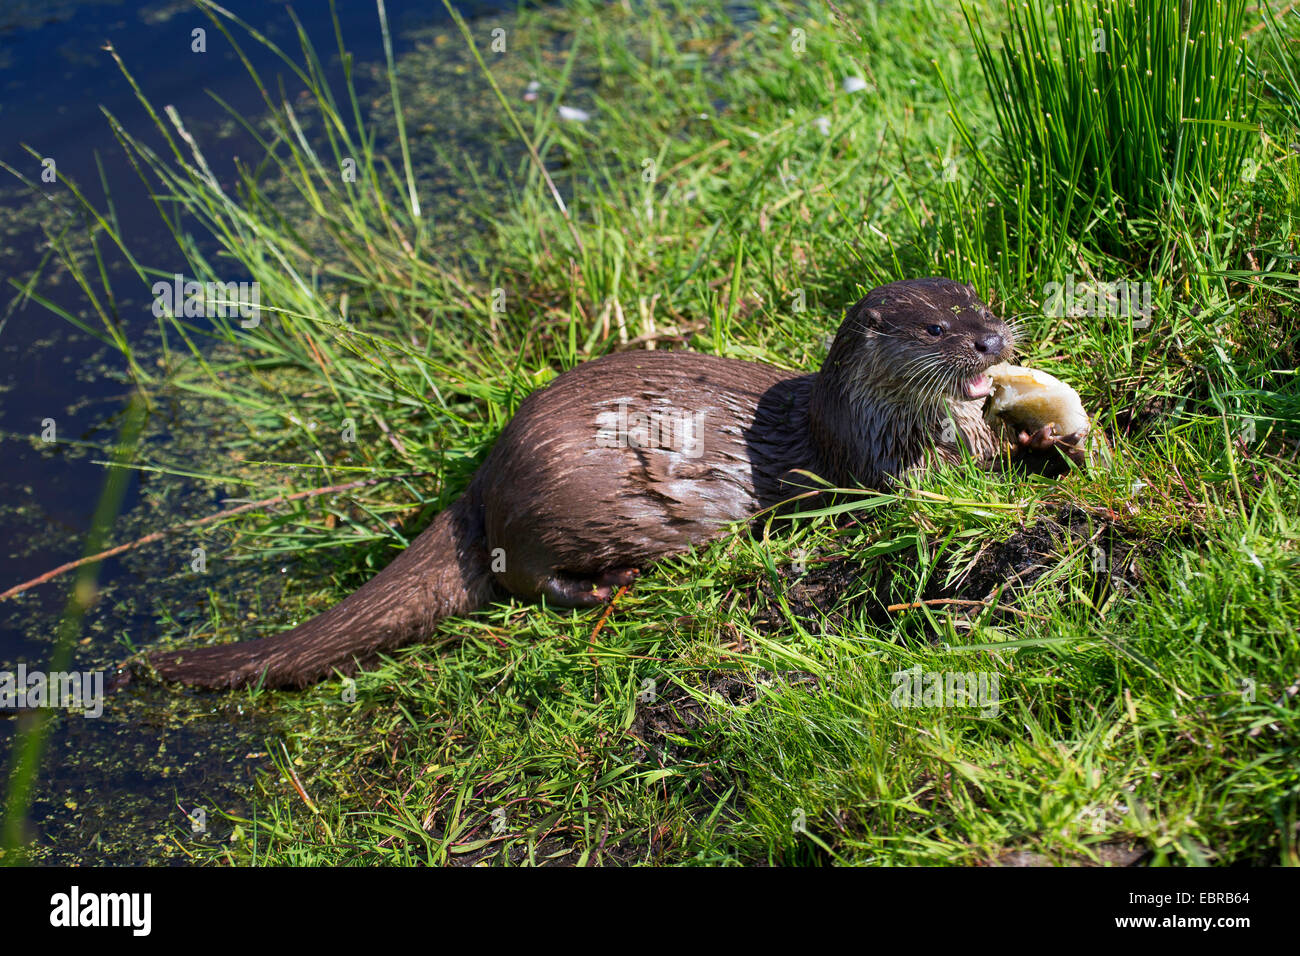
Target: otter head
[(904, 353), (921, 341)]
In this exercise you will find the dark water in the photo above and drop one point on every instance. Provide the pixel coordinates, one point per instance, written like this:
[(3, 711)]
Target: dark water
[(110, 787)]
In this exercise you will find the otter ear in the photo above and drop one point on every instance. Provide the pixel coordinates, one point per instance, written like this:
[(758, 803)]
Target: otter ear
[(862, 317), (868, 318)]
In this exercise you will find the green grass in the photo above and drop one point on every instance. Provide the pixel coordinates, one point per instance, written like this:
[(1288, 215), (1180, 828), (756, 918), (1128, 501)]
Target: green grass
[(734, 708), (1120, 118)]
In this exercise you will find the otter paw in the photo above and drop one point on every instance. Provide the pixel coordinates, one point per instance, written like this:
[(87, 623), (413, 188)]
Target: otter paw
[(567, 590), (1044, 449), (620, 577)]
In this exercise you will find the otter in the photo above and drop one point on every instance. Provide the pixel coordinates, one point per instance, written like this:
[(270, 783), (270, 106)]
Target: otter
[(636, 456)]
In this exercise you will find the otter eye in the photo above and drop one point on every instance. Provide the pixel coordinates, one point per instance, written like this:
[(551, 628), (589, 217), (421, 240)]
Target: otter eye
[(935, 330)]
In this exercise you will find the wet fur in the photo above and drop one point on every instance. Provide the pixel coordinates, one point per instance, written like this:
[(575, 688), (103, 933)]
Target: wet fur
[(573, 517)]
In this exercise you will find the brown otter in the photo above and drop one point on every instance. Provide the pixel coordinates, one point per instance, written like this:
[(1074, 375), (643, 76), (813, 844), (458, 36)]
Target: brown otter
[(639, 455)]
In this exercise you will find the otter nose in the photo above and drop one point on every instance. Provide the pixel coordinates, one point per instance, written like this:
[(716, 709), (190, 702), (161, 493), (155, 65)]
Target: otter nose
[(990, 343)]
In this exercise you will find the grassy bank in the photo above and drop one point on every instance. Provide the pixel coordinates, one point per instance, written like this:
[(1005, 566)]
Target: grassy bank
[(736, 181)]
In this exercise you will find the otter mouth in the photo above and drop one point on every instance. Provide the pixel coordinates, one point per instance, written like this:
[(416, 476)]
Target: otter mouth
[(977, 386)]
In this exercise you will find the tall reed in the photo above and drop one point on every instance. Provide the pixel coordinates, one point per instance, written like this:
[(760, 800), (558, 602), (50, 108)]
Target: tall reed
[(1121, 117)]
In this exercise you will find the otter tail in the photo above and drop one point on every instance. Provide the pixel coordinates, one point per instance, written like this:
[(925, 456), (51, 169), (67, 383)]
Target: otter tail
[(445, 571)]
